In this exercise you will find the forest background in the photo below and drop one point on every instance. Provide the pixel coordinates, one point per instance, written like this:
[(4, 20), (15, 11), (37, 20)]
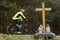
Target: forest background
[(8, 8)]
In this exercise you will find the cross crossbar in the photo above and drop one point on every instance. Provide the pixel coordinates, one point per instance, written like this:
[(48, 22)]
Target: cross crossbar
[(40, 9)]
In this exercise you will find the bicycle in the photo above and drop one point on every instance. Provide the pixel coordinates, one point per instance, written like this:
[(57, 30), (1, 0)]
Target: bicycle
[(14, 29)]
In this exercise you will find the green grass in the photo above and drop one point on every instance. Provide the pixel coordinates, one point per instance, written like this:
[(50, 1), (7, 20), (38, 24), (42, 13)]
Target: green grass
[(20, 37), (15, 37)]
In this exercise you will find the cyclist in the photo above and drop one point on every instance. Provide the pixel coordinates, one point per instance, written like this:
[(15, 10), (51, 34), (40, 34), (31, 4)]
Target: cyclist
[(19, 18)]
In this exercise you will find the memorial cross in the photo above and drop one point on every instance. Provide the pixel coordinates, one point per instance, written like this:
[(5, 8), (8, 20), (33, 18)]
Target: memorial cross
[(43, 9)]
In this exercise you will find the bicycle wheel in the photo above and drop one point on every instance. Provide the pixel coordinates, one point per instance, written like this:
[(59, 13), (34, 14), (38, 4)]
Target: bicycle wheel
[(11, 29)]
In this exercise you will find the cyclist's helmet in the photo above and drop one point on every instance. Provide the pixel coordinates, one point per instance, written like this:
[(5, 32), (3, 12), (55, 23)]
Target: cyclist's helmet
[(22, 10)]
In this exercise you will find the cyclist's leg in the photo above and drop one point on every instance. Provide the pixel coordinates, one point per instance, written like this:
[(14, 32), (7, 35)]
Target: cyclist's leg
[(17, 25), (21, 23)]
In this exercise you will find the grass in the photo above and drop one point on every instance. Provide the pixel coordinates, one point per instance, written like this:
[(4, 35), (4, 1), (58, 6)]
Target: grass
[(15, 37), (20, 37)]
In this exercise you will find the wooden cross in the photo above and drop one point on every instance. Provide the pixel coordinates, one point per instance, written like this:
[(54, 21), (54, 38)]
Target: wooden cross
[(43, 9)]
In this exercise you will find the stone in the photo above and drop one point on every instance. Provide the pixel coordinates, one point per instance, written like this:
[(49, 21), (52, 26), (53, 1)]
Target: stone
[(40, 29)]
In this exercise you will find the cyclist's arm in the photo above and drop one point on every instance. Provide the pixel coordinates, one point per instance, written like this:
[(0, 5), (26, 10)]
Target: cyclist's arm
[(23, 15), (15, 17)]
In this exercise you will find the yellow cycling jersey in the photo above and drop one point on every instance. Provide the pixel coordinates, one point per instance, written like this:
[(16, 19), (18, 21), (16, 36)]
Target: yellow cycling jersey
[(19, 16)]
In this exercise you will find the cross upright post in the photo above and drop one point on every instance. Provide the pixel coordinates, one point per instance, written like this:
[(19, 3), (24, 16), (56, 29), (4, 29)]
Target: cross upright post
[(43, 9)]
